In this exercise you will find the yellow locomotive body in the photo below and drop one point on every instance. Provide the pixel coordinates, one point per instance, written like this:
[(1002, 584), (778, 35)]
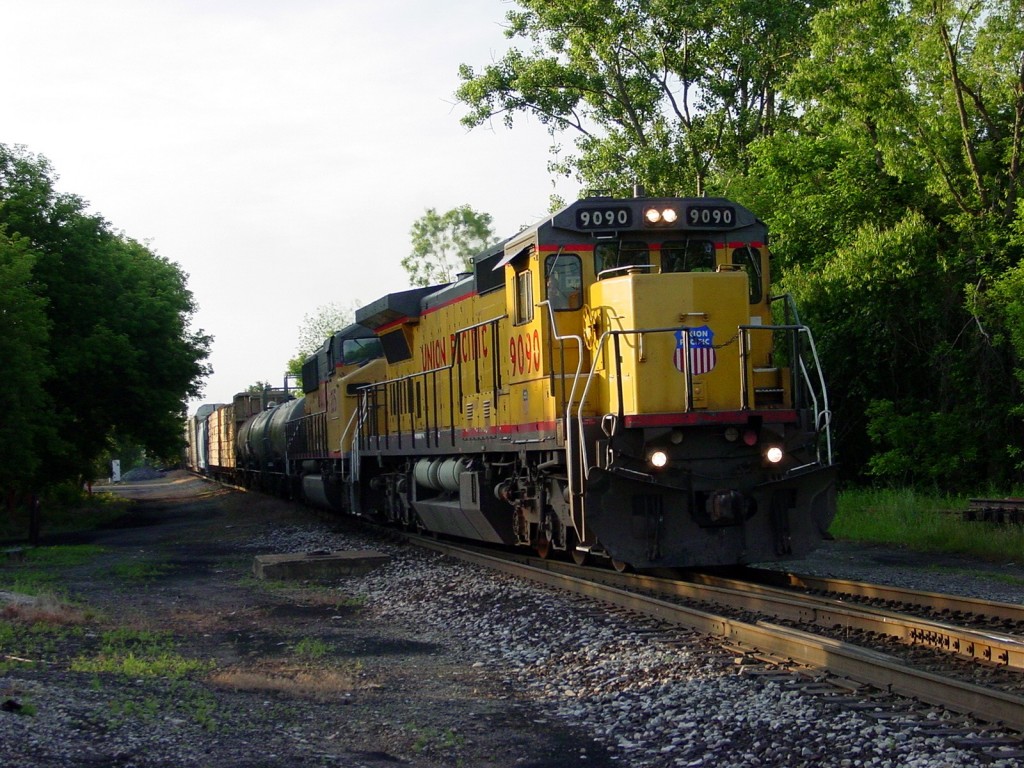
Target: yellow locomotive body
[(604, 383), (612, 381)]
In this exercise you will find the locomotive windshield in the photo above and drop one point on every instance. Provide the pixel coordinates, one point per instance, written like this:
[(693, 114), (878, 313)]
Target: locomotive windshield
[(688, 256), (361, 350), (619, 253)]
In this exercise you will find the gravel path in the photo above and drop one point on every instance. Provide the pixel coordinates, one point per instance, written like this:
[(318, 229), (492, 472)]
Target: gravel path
[(423, 662)]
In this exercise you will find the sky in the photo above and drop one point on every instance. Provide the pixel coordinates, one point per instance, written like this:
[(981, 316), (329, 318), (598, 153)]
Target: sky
[(278, 152)]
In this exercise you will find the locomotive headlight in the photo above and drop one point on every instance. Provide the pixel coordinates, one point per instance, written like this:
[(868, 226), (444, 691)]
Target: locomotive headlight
[(656, 216), (658, 459), (774, 454)]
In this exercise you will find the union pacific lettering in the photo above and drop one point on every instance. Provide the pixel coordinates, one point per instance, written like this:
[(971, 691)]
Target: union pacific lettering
[(465, 347), (434, 354), (472, 344)]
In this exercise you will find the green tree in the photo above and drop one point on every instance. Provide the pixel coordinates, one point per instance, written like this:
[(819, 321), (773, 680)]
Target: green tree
[(444, 243), (316, 327), (123, 358), (894, 206), (24, 340), (663, 92)]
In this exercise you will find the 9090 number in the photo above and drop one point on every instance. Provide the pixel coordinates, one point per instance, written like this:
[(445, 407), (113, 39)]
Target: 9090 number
[(711, 216), (604, 218)]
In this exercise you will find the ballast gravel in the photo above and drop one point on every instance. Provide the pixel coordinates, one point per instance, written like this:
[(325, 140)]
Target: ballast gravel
[(539, 678), (649, 702)]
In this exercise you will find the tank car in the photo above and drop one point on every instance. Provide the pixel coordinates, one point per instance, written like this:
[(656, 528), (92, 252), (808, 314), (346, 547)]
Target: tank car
[(615, 381)]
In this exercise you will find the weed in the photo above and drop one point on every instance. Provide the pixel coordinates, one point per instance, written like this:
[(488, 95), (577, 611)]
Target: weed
[(24, 645), (66, 556), (353, 601), (922, 523), (311, 648), (65, 512), (200, 705), (25, 710), (135, 653), (140, 570), (142, 709), (40, 571), (434, 739)]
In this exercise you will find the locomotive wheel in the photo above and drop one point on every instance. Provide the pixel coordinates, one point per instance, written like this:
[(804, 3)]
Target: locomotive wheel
[(580, 556), (620, 566)]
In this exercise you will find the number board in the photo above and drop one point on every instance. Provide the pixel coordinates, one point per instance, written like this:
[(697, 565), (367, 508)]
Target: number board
[(604, 218), (710, 216)]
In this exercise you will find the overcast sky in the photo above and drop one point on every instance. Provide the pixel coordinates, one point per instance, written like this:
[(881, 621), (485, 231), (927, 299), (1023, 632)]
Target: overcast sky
[(278, 151)]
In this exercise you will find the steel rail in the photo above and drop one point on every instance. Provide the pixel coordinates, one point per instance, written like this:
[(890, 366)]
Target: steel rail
[(1006, 651), (841, 658), (977, 644), (936, 600)]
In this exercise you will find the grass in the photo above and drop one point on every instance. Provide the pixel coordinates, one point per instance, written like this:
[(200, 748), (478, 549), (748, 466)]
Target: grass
[(434, 739), (65, 511), (24, 645), (923, 523), (139, 653), (311, 648), (140, 570), (39, 573)]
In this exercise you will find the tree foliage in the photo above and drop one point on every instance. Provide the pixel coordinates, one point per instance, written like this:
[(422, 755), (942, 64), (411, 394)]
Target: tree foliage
[(120, 355), (316, 327), (443, 243), (24, 336), (666, 92), (894, 206)]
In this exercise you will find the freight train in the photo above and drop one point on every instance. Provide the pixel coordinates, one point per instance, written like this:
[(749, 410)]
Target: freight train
[(616, 381)]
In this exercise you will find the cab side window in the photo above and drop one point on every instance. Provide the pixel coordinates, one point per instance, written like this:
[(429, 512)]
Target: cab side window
[(750, 260), (688, 256), (564, 281), (524, 296)]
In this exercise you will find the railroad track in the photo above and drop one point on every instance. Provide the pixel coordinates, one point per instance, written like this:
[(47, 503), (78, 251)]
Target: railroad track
[(909, 656)]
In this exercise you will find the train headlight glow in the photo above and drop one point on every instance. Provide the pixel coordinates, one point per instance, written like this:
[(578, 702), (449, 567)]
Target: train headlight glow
[(661, 216), (774, 454), (658, 459)]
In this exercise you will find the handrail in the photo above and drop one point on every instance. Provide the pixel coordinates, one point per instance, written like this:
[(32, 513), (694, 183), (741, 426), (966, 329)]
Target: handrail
[(598, 351), (355, 443), (822, 412), (568, 405), (449, 368)]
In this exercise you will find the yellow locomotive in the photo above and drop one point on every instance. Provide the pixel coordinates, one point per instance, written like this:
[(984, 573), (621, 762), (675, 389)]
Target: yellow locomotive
[(614, 381)]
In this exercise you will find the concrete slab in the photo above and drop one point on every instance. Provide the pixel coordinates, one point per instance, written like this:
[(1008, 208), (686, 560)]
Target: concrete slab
[(317, 566)]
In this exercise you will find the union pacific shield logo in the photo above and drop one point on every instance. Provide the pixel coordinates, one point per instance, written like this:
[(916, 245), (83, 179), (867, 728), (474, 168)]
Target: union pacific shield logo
[(702, 350)]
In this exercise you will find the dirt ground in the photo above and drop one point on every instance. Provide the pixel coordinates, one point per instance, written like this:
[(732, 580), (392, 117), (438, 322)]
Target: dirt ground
[(295, 673)]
